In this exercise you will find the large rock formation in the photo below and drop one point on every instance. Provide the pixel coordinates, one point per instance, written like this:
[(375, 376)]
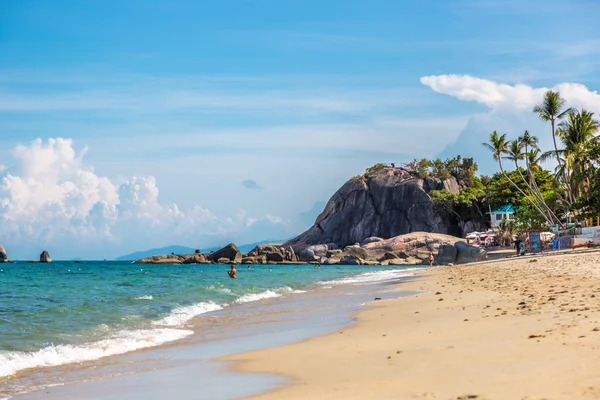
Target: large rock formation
[(370, 220), (3, 256), (227, 254), (409, 249), (382, 204), (272, 252), (418, 245), (314, 253), (45, 257)]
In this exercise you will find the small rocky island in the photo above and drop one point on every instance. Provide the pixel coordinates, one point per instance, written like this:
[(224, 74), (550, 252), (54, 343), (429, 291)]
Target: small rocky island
[(45, 257), (385, 217), (3, 256)]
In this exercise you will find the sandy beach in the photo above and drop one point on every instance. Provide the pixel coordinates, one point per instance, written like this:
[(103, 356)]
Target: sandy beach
[(525, 328)]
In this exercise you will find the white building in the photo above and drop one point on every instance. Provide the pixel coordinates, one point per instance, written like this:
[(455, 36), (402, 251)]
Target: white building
[(506, 212)]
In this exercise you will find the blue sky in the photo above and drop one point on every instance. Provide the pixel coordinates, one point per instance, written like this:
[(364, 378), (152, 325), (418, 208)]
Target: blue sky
[(254, 110)]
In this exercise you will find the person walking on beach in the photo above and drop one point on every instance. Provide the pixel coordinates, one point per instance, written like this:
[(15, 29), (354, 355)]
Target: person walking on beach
[(232, 273), (430, 259), (518, 245)]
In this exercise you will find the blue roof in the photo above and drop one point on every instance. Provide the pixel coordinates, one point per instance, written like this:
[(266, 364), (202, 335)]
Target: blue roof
[(507, 208)]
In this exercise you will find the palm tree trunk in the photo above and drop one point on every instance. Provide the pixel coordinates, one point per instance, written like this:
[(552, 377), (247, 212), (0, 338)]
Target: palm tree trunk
[(560, 164), (543, 205), (533, 203), (537, 192)]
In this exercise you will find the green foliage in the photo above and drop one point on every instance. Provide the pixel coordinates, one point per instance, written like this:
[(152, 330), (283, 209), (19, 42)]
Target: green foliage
[(462, 204), (485, 180), (577, 133), (438, 169), (375, 168), (590, 204), (444, 199), (463, 169), (473, 193), (528, 219), (419, 167), (500, 191)]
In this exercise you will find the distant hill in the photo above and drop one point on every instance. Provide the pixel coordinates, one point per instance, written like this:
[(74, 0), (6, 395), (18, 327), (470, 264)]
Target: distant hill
[(247, 247), (186, 250)]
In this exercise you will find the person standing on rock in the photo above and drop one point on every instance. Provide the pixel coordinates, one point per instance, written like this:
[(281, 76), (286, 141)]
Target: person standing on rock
[(430, 259), (232, 273)]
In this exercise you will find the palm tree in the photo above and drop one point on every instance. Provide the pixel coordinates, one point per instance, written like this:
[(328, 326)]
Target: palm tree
[(515, 153), (578, 134), (530, 144), (531, 157), (528, 141), (551, 110), (499, 146)]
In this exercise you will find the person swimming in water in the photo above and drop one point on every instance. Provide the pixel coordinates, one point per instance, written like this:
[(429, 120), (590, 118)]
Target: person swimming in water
[(232, 272)]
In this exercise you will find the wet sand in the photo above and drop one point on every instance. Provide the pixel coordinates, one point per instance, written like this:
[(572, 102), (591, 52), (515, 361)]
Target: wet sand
[(526, 328)]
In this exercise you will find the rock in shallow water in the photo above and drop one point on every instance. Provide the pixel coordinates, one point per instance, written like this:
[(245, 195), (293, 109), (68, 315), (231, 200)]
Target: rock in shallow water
[(45, 257), (351, 260)]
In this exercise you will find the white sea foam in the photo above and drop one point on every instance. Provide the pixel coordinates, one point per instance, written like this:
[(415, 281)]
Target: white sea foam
[(146, 297), (247, 298), (220, 289), (368, 277), (181, 315), (119, 343)]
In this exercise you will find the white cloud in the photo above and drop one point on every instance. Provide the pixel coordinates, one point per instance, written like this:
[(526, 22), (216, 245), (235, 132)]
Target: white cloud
[(53, 200), (510, 111), (266, 218), (497, 95)]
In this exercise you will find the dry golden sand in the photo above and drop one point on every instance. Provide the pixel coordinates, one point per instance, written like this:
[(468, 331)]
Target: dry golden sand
[(517, 329)]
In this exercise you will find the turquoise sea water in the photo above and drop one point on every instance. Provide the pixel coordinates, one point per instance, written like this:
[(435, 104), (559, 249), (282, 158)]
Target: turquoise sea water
[(64, 312)]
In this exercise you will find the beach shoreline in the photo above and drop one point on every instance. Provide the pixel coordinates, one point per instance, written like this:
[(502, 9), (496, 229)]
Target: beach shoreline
[(521, 328), (169, 370)]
